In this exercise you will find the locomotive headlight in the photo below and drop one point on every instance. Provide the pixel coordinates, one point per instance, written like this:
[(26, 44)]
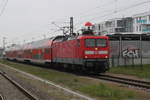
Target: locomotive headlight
[(89, 52), (103, 52), (86, 57), (106, 56)]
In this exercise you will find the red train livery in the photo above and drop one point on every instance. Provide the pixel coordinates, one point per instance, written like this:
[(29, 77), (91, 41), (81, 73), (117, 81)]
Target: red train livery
[(87, 52)]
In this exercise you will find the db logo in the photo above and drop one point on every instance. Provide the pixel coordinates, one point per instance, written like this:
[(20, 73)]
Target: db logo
[(96, 52)]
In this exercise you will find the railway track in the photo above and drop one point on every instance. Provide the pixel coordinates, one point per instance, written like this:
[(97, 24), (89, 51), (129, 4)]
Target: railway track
[(127, 81), (18, 86), (1, 97)]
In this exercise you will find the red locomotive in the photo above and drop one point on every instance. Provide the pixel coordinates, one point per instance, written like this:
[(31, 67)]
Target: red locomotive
[(87, 52)]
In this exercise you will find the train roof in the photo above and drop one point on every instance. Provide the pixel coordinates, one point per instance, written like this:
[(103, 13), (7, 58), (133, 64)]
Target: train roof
[(46, 43), (34, 45), (13, 47), (64, 38), (38, 44), (92, 36)]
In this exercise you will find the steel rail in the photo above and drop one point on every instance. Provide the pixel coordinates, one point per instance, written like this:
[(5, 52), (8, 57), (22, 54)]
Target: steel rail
[(128, 79), (132, 82), (50, 83), (1, 97), (17, 85)]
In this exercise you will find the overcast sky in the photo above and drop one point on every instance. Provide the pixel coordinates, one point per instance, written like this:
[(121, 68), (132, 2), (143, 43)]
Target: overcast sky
[(31, 19)]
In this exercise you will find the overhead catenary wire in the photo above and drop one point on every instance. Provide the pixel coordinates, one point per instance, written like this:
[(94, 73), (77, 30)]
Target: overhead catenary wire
[(123, 9), (116, 11), (92, 19), (1, 4), (3, 7), (86, 13)]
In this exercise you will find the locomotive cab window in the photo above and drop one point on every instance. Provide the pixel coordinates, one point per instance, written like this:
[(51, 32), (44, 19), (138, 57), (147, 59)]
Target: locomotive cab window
[(101, 42), (90, 42), (95, 42)]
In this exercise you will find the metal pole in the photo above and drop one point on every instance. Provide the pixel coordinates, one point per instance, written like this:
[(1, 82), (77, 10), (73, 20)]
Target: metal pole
[(4, 38), (120, 49), (141, 60), (71, 25)]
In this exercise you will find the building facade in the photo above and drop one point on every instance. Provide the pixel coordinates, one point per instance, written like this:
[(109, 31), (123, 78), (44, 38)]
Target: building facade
[(142, 22), (119, 25)]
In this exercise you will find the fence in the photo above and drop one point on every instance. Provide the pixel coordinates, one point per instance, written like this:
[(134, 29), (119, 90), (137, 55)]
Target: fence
[(129, 50)]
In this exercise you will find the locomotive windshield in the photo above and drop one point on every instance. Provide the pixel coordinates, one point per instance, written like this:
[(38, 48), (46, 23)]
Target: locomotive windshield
[(95, 42), (90, 42), (101, 42)]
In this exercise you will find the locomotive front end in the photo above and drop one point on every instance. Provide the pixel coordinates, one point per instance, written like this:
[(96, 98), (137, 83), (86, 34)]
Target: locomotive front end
[(96, 53)]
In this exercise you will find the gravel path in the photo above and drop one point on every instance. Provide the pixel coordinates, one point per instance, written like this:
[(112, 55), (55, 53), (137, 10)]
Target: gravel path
[(9, 91), (38, 88)]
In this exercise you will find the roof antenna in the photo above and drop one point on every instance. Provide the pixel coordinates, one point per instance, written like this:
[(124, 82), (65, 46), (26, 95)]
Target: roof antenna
[(71, 26)]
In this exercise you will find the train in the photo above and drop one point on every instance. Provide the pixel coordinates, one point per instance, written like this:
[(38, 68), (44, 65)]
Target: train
[(86, 52)]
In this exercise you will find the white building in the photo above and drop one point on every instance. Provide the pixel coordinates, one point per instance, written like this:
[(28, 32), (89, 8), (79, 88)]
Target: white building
[(141, 22), (118, 25)]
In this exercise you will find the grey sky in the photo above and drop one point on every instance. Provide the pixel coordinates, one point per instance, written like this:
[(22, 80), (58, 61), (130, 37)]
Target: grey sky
[(31, 19)]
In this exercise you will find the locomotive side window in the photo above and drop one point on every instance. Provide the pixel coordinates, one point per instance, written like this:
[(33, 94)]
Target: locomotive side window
[(101, 42), (47, 50), (78, 43), (90, 42)]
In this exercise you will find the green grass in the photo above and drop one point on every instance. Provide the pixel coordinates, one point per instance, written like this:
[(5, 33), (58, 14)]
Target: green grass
[(86, 86), (105, 91), (139, 71)]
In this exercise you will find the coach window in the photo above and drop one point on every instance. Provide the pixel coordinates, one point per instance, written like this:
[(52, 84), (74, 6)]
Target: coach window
[(47, 50), (42, 55)]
